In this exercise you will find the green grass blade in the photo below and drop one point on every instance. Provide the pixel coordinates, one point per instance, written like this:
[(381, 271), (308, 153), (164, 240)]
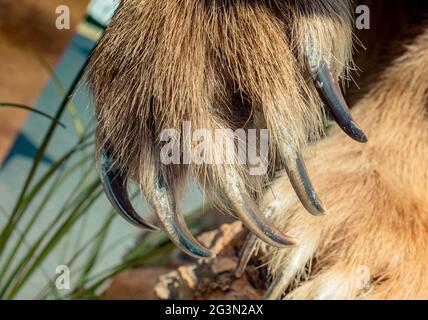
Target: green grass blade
[(33, 110), (45, 292), (80, 209), (31, 252), (15, 217), (38, 211)]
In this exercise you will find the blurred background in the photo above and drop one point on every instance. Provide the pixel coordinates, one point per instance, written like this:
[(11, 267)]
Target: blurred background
[(59, 237), (28, 33)]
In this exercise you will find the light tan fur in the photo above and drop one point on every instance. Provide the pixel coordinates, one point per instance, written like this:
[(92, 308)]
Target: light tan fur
[(377, 220), (242, 63)]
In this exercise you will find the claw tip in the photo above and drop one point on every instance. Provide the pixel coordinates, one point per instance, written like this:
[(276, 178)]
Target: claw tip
[(357, 133)]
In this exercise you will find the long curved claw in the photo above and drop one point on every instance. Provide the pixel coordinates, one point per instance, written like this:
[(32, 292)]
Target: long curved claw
[(245, 254), (251, 216), (302, 185), (249, 247), (173, 222), (329, 89), (115, 186)]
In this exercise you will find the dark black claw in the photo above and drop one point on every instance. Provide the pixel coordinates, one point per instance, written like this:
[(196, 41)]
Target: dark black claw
[(329, 89), (302, 185), (115, 185)]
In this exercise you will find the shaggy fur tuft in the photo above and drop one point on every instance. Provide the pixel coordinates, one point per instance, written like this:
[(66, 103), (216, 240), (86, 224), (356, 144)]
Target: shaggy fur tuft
[(218, 64)]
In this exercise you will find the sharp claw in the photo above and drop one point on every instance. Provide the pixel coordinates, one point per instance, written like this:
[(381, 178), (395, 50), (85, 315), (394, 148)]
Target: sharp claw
[(302, 185), (329, 89), (249, 247), (251, 216), (115, 186), (246, 254), (173, 222)]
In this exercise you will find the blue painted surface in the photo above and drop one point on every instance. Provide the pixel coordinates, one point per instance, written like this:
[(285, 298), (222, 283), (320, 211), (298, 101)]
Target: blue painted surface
[(23, 147)]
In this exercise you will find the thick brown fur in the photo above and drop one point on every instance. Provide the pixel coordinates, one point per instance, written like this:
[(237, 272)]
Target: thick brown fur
[(218, 64), (241, 63)]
